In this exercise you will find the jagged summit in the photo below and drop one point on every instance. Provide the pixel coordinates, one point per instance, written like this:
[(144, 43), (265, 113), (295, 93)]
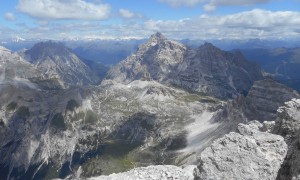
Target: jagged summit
[(157, 37), (157, 42), (154, 60), (209, 51), (206, 69), (208, 45)]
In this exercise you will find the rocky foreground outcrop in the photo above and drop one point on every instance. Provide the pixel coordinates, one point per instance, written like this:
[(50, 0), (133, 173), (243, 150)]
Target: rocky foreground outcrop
[(288, 126), (251, 153)]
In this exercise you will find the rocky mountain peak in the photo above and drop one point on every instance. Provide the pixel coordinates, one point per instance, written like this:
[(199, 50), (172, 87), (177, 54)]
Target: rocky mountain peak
[(156, 60), (155, 41), (206, 69), (157, 37), (208, 48), (47, 49), (207, 45), (58, 62)]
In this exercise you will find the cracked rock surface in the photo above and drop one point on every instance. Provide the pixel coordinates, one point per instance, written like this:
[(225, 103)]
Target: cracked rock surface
[(249, 153)]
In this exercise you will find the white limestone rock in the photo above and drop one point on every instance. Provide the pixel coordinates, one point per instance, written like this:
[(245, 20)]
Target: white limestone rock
[(160, 172), (249, 154), (288, 126)]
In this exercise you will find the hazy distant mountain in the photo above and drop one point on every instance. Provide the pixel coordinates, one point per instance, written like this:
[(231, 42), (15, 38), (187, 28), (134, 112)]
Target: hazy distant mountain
[(282, 63), (110, 52), (229, 44), (206, 69), (57, 61), (107, 52)]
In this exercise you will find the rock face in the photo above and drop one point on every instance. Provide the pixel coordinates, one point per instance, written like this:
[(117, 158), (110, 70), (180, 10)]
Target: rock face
[(157, 59), (152, 173), (265, 97), (57, 61), (248, 154), (105, 129), (206, 69), (218, 73), (288, 126), (13, 66)]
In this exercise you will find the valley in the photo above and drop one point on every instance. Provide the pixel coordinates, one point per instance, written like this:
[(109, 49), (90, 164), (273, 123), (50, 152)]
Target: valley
[(165, 108)]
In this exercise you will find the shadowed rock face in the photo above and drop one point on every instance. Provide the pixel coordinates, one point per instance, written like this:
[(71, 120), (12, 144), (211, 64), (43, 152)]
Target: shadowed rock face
[(248, 154), (206, 69), (265, 97)]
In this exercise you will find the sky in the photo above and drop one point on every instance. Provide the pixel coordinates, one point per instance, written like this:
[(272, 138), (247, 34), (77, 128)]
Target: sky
[(126, 19)]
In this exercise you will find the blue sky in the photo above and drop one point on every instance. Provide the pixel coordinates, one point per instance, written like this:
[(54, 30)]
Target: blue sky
[(177, 19)]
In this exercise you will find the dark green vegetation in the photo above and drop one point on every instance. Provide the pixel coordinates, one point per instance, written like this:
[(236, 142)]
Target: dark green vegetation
[(114, 158), (23, 112), (71, 105), (58, 121), (11, 106), (47, 84), (91, 117), (198, 97), (177, 142)]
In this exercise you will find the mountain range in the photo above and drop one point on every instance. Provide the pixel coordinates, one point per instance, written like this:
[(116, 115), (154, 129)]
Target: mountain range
[(206, 70), (183, 112), (281, 63)]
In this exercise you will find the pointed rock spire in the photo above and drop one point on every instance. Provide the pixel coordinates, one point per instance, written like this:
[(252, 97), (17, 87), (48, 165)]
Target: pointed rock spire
[(156, 38)]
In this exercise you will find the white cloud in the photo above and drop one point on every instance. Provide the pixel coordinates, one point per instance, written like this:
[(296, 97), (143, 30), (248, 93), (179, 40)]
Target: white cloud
[(211, 5), (64, 9), (257, 23), (125, 13), (9, 16), (176, 3), (238, 2)]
